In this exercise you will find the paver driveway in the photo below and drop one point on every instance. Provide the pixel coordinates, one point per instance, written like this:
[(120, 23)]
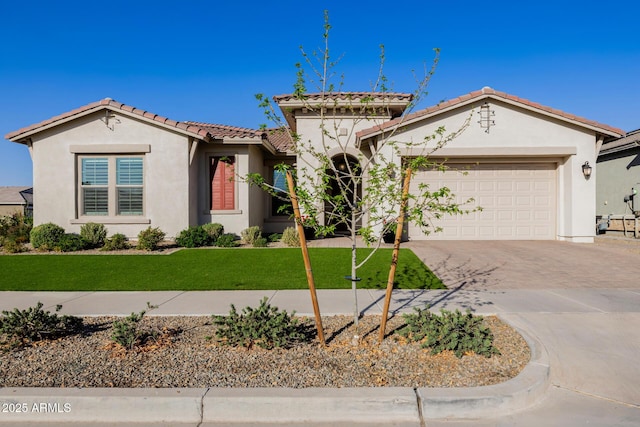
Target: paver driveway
[(481, 265)]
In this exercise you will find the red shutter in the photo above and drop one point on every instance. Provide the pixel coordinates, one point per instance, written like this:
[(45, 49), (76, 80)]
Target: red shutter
[(222, 183)]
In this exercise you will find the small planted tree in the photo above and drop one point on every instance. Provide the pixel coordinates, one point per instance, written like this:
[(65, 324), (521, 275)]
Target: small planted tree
[(351, 169)]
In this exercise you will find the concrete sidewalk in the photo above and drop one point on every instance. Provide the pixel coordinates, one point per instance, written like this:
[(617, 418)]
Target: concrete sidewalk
[(577, 305)]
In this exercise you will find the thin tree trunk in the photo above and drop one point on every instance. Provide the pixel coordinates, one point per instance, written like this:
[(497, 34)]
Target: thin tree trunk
[(305, 256), (354, 277), (396, 250)]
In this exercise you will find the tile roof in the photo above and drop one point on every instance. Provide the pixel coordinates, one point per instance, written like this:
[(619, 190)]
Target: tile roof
[(479, 94), (225, 131), (109, 103), (346, 96), (206, 131), (279, 138), (13, 195)]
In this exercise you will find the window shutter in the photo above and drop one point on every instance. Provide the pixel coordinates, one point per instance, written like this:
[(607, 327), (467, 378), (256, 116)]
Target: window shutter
[(222, 183)]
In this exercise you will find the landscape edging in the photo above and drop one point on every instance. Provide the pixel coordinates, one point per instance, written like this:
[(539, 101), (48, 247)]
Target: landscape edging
[(507, 397)]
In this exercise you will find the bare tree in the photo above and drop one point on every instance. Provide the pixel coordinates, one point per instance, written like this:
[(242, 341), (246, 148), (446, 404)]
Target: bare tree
[(350, 165)]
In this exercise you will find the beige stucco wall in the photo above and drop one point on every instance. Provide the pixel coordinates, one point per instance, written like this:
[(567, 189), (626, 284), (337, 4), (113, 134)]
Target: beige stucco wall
[(519, 135), (343, 128), (6, 210), (166, 173), (249, 200)]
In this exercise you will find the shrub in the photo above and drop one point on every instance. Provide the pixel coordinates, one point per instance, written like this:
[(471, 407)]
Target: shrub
[(15, 228), (265, 326), (260, 242), (11, 246), (35, 324), (46, 236), (290, 237), (70, 242), (93, 234), (275, 237), (227, 241), (193, 237), (249, 235), (455, 331), (116, 242), (214, 230), (128, 331), (149, 239)]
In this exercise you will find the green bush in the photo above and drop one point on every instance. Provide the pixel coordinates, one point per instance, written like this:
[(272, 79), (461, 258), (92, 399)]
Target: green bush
[(150, 238), (35, 324), (260, 242), (46, 236), (116, 242), (93, 234), (128, 332), (227, 241), (455, 331), (290, 237), (214, 230), (249, 235), (70, 242), (265, 326), (193, 237), (275, 237)]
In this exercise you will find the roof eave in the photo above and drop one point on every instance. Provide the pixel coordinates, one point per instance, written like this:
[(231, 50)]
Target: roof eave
[(620, 148), (438, 111), (23, 137)]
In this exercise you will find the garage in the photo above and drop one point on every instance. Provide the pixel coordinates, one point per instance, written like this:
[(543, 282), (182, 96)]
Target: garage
[(518, 200)]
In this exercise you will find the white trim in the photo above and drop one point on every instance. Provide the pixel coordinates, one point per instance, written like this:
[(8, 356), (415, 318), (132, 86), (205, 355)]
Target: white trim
[(110, 220), (229, 212)]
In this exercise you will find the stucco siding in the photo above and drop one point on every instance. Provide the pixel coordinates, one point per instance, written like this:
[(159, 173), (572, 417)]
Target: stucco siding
[(519, 135), (55, 157), (236, 220), (11, 209), (617, 174)]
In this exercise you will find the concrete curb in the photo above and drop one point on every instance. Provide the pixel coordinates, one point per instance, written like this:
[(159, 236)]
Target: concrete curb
[(399, 406), (89, 405), (488, 401), (367, 406)]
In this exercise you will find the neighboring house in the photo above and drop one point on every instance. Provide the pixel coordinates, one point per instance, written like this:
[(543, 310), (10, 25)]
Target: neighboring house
[(16, 200), (130, 169), (618, 173)]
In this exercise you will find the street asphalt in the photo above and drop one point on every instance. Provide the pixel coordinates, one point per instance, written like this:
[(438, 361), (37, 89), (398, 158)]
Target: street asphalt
[(578, 305)]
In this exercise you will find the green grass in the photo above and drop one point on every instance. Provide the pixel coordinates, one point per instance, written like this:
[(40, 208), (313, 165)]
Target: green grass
[(208, 269)]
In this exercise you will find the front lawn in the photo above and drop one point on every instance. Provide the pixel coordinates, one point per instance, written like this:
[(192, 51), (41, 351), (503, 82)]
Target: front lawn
[(209, 269)]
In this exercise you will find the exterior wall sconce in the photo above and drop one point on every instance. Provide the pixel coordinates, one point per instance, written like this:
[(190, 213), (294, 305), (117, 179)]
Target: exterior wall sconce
[(586, 170)]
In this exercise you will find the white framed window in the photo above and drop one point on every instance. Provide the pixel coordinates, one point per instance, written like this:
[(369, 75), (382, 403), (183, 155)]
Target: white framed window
[(111, 185), (279, 207)]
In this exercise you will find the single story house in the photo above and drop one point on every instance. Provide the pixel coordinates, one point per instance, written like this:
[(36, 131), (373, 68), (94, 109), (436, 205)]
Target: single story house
[(16, 200), (129, 169), (618, 169)]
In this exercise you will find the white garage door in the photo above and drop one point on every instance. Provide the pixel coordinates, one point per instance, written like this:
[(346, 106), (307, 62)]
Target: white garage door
[(518, 201)]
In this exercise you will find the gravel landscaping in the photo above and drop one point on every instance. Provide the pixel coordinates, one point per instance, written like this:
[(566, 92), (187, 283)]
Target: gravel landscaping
[(185, 355)]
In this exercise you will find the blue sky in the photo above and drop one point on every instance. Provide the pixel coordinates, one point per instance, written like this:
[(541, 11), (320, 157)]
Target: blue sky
[(205, 60)]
